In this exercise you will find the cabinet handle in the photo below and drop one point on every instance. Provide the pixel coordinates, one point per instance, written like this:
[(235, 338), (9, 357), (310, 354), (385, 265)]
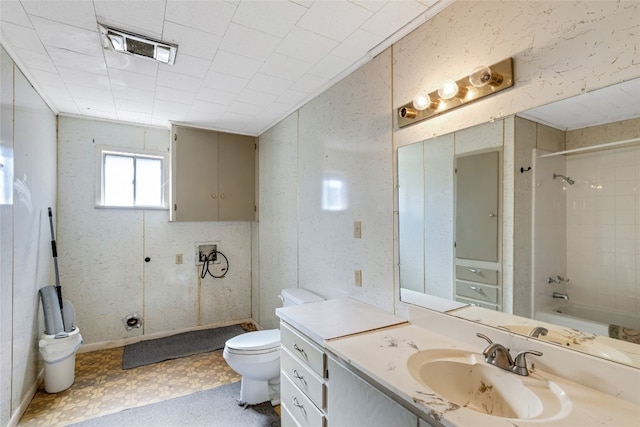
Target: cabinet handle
[(300, 350), (222, 196), (474, 270), (477, 289), (298, 405), (492, 215), (213, 196), (299, 377)]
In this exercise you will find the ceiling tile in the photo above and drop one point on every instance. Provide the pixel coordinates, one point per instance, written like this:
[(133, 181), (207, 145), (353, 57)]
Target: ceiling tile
[(305, 45), (191, 41), (392, 16), (175, 95), (178, 81), (335, 20), (141, 17), (49, 79), (210, 16), (37, 61), (12, 11), (207, 107), (79, 61), (269, 84), (75, 77), (77, 13), (22, 38), (261, 99), (357, 45), (175, 110), (127, 93), (216, 96), (144, 117), (226, 82), (130, 63), (129, 80), (285, 67), (372, 5), (68, 37), (248, 42), (188, 65), (238, 65), (309, 84), (330, 66), (245, 108), (271, 17)]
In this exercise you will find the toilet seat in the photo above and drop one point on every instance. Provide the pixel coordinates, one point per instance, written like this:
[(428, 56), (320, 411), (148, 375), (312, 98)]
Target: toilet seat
[(257, 342)]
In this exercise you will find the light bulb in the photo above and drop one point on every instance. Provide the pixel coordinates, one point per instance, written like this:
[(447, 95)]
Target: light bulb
[(448, 90), (483, 75), (421, 101)]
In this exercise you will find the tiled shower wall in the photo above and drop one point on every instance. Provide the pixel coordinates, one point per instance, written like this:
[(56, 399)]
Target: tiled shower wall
[(603, 229)]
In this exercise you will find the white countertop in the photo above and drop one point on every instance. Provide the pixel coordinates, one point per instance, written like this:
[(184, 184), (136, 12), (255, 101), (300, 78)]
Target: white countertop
[(393, 346), (334, 318)]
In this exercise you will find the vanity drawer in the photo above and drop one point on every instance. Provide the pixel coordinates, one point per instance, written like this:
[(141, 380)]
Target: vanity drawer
[(477, 274), (286, 419), (303, 411), (477, 291), (303, 377), (303, 349)]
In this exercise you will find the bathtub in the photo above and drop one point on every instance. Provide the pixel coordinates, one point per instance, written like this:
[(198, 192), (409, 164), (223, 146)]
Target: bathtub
[(587, 319)]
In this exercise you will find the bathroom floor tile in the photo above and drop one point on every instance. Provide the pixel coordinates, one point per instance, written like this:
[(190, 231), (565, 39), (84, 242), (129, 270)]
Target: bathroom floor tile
[(102, 387)]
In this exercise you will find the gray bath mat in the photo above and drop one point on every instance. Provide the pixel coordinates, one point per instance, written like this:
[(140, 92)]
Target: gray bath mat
[(175, 346), (216, 407)]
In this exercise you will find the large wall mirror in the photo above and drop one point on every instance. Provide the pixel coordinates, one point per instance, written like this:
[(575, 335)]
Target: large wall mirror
[(566, 215)]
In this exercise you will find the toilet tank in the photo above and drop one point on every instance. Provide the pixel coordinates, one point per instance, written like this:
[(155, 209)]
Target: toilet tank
[(298, 296)]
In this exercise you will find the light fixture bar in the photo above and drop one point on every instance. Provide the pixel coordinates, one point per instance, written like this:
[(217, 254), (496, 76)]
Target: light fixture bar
[(483, 81), (138, 45)]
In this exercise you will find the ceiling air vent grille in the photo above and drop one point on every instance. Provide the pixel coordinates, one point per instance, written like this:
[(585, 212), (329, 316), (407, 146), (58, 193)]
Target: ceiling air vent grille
[(135, 44)]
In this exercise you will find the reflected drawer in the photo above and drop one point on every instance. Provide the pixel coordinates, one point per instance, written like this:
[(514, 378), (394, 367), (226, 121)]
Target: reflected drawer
[(302, 348), (477, 274), (478, 303), (305, 379), (303, 411), (477, 291)]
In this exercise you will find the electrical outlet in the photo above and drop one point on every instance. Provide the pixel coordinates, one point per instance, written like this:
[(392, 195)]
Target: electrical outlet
[(206, 250), (357, 229), (358, 278)]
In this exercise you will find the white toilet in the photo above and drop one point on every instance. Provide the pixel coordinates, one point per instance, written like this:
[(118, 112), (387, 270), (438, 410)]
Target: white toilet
[(256, 355)]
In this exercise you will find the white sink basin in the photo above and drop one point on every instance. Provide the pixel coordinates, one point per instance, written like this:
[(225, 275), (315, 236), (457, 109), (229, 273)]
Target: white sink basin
[(577, 340), (465, 379)]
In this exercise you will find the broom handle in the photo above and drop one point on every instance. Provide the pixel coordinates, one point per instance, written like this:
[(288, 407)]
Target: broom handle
[(55, 259)]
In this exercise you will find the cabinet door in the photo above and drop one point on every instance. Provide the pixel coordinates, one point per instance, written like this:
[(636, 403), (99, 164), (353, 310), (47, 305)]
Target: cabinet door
[(477, 190), (194, 175), (236, 174), (353, 402)]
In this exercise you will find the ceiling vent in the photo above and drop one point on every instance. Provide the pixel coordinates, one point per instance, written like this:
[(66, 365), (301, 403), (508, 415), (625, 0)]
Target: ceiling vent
[(135, 44)]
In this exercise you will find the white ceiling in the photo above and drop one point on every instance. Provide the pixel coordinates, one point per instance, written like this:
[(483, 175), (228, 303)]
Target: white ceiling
[(607, 105), (241, 66)]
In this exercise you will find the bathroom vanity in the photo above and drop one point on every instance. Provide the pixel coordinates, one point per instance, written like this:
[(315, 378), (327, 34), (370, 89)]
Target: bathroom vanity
[(380, 370)]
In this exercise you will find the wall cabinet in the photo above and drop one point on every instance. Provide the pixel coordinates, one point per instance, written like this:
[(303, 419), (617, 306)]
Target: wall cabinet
[(477, 229), (213, 176)]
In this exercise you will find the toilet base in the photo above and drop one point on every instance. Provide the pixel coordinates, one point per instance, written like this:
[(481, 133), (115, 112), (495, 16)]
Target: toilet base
[(253, 392)]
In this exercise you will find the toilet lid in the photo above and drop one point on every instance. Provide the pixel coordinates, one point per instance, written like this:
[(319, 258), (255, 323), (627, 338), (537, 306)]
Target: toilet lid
[(258, 340)]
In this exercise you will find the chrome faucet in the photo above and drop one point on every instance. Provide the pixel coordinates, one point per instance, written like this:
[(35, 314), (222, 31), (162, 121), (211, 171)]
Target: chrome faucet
[(498, 355), (560, 295), (537, 331)]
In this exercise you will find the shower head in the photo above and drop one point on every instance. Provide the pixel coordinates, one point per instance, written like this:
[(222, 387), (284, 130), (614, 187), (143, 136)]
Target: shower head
[(564, 178)]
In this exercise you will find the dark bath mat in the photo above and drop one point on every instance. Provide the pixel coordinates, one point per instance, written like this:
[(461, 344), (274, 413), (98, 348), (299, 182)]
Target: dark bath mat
[(179, 345), (216, 407)]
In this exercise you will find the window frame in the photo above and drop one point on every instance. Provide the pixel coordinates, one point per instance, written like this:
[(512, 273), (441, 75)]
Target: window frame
[(102, 151)]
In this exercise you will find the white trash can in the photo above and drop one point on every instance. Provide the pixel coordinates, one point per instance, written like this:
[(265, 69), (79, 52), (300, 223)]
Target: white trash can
[(59, 355)]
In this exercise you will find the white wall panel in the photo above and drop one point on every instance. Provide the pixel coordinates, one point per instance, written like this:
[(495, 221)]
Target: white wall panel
[(345, 164), (278, 227), (34, 191)]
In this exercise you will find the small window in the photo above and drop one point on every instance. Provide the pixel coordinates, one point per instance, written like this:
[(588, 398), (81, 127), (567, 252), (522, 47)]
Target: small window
[(132, 179)]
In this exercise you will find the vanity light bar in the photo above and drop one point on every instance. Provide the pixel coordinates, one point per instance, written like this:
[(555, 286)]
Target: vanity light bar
[(483, 81)]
